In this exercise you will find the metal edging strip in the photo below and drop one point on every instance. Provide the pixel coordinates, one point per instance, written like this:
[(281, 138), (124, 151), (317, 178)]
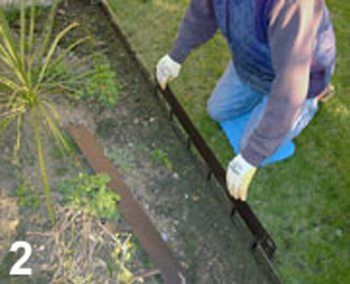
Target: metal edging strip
[(131, 210)]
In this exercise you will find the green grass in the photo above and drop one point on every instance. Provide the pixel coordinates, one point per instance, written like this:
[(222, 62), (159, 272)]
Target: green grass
[(304, 201)]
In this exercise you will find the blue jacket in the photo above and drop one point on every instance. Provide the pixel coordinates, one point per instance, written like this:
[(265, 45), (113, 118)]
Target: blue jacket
[(245, 24), (284, 49)]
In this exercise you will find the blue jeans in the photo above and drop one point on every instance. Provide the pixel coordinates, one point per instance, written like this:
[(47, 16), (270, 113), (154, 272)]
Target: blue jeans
[(232, 98)]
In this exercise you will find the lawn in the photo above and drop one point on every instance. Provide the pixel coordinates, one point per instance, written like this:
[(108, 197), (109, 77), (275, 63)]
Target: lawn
[(303, 202)]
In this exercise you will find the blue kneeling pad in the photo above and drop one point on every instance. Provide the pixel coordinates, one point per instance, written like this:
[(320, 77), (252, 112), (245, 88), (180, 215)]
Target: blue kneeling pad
[(234, 129)]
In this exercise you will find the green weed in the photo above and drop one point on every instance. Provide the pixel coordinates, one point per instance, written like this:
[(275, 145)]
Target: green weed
[(97, 82), (121, 255), (101, 85), (158, 156), (90, 194)]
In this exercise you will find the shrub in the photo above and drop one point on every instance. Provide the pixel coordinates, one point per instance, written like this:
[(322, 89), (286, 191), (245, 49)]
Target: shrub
[(27, 80)]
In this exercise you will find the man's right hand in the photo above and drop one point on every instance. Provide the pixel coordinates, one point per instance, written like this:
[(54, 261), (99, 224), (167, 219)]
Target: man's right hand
[(167, 70)]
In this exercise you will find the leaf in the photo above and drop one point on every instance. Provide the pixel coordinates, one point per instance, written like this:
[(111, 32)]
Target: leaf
[(48, 30), (18, 137), (52, 50), (23, 32), (41, 159)]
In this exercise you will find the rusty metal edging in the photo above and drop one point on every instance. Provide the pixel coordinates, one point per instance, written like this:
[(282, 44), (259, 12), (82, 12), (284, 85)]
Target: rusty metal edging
[(131, 210), (262, 237)]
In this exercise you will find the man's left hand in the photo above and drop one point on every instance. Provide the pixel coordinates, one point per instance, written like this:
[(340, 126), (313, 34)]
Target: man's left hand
[(238, 177)]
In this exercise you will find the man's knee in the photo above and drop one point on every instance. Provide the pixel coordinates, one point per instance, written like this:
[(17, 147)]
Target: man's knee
[(214, 110), (220, 110)]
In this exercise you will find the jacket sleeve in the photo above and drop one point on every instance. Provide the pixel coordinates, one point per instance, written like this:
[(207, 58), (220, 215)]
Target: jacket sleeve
[(197, 27), (292, 31)]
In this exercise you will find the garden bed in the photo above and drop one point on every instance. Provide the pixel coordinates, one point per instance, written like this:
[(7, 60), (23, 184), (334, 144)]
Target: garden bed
[(149, 151)]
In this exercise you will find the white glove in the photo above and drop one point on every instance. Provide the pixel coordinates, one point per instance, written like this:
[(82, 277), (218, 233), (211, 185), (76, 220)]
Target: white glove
[(167, 70), (238, 177)]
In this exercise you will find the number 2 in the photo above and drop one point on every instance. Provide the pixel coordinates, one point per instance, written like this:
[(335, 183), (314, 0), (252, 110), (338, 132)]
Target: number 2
[(17, 268)]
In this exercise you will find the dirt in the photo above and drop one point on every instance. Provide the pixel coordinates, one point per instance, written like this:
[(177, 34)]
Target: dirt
[(9, 211), (166, 178)]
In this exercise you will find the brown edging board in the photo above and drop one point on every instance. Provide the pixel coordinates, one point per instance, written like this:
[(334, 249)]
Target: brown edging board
[(131, 210), (262, 237)]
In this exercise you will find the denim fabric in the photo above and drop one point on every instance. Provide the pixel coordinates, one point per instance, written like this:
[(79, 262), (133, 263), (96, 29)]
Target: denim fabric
[(232, 98)]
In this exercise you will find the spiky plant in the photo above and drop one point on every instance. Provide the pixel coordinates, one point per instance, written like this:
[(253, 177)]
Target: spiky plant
[(28, 81)]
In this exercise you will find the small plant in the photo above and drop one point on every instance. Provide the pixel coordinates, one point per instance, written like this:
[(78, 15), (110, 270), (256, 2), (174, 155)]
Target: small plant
[(158, 156), (101, 85), (98, 85), (90, 194), (121, 255), (28, 78)]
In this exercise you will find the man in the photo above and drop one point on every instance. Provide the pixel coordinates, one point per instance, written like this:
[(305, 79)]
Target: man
[(283, 59)]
